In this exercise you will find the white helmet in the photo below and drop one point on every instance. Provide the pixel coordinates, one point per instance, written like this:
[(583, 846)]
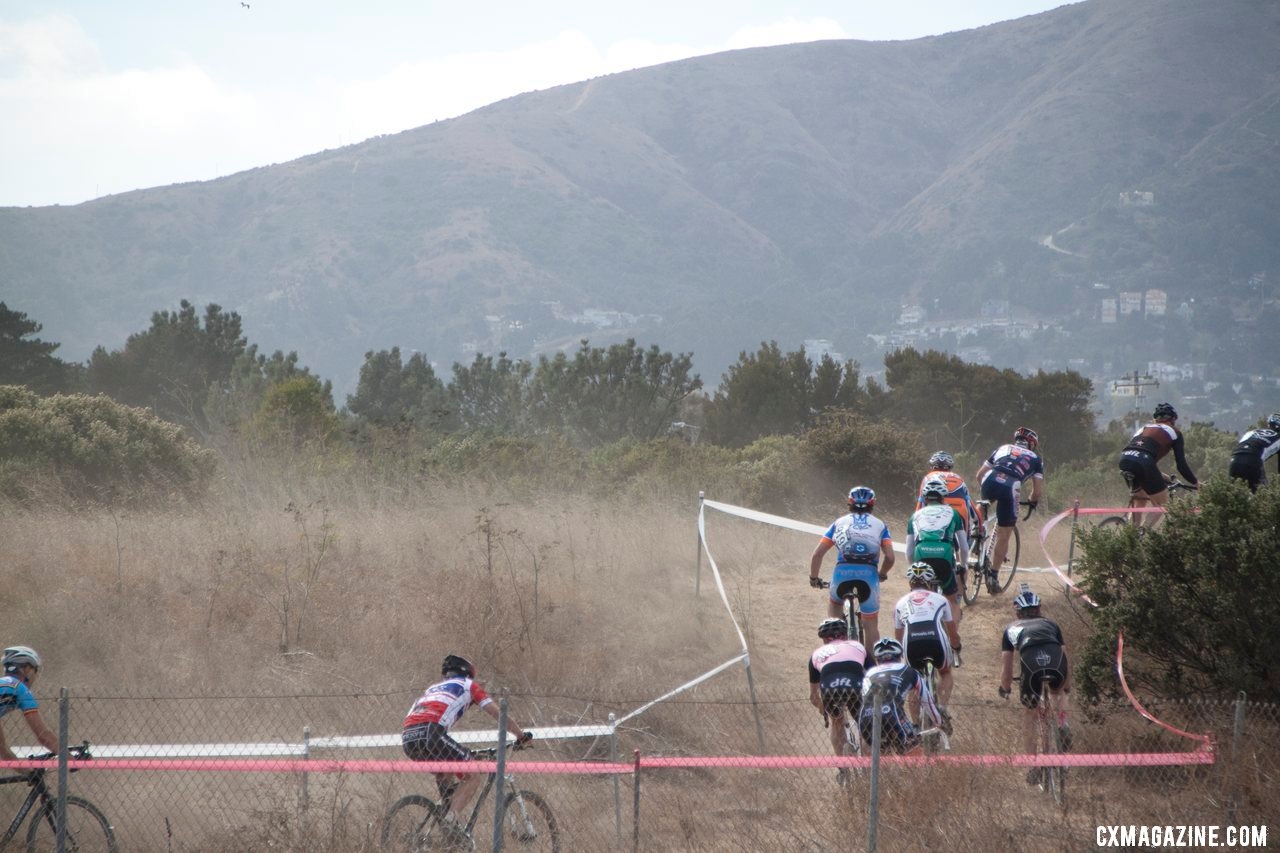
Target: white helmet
[(16, 656)]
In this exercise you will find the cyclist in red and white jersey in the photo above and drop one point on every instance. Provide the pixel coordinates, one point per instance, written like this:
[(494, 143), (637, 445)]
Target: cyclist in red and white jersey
[(426, 728), (1147, 447)]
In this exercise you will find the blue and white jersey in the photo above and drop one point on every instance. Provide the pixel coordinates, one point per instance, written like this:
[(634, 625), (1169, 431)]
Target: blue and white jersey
[(14, 694), (1014, 460), (857, 538)]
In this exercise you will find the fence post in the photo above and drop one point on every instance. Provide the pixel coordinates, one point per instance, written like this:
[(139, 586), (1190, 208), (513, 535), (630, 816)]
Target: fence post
[(755, 706), (1071, 549), (1237, 732), (305, 795), (500, 777), (617, 783), (697, 573), (873, 797), (635, 806), (64, 726)]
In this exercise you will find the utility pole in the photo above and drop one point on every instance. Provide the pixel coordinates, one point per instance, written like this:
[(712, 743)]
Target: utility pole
[(1136, 382)]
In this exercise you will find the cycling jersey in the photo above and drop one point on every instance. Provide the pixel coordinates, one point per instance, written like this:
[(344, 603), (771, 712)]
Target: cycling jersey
[(922, 615), (933, 535), (1038, 644), (444, 702), (14, 694), (857, 537), (957, 495), (1153, 442), (1250, 455), (1014, 460), (837, 668)]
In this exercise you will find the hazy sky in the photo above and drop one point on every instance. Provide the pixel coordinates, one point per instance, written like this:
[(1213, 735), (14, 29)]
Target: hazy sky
[(101, 97)]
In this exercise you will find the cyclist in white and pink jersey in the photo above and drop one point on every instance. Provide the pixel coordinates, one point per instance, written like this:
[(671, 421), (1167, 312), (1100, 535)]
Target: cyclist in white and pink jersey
[(835, 682), (924, 624), (426, 728)]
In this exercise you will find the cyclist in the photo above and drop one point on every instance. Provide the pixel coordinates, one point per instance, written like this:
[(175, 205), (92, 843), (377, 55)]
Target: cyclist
[(1248, 460), (1042, 654), (957, 497), (936, 535), (885, 689), (426, 731), (1002, 476), (835, 680), (21, 666), (923, 623), (1138, 461), (862, 540)]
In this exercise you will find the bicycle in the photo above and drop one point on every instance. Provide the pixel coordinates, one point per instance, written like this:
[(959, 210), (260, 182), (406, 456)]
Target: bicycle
[(852, 593), (87, 827), (416, 823), (977, 573), (938, 730), (1175, 485)]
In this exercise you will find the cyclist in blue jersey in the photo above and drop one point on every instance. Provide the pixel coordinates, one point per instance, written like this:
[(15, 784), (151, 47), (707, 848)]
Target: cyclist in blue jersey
[(1002, 476), (861, 540), (21, 665)]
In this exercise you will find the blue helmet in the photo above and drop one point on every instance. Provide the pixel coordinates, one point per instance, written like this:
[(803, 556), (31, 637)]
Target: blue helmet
[(1026, 600), (1273, 422), (862, 498)]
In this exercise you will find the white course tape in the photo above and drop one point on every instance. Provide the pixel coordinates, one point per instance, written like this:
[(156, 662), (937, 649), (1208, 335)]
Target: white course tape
[(776, 520)]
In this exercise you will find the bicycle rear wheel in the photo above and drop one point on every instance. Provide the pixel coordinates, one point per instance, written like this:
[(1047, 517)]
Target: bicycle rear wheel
[(530, 823), (87, 828), (971, 578), (1113, 521), (414, 823), (1053, 777), (1005, 573)]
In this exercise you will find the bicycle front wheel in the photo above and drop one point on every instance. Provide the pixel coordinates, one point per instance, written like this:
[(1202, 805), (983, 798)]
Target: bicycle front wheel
[(972, 575), (1113, 521), (87, 828), (1005, 573), (530, 823), (414, 823)]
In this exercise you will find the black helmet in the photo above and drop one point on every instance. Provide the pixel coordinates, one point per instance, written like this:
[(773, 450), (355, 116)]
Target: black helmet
[(942, 461), (1027, 437), (458, 664), (1273, 422), (829, 628), (1165, 410)]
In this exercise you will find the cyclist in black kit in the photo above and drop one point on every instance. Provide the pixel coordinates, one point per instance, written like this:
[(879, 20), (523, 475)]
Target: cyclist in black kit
[(1255, 447), (1147, 447)]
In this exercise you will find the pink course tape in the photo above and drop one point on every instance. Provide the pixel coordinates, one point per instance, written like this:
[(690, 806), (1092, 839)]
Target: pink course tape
[(789, 762)]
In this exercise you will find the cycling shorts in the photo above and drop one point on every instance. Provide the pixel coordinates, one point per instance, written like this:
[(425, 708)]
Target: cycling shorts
[(922, 643), (1045, 662), (837, 700), (864, 572), (946, 572), (896, 730), (1141, 472), (431, 742), (1002, 489), (1249, 469)]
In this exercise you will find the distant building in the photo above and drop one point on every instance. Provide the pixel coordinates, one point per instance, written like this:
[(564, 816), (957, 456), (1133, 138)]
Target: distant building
[(816, 348), (1130, 302), (1155, 302), (1137, 198), (1108, 310), (911, 315)]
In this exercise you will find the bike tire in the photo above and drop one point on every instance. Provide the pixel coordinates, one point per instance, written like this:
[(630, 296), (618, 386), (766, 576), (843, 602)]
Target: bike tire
[(972, 586), (1053, 778), (1113, 521), (534, 827), (412, 824), (87, 828), (1005, 573)]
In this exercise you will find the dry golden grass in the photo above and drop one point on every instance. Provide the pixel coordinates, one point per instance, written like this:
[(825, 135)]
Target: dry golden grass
[(336, 599)]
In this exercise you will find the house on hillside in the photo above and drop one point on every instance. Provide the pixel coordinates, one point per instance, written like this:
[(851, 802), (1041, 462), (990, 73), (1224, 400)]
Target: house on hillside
[(1155, 302), (1137, 198)]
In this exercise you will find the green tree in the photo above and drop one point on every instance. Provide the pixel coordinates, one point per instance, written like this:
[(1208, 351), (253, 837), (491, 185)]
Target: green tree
[(491, 394), (836, 386), (172, 365), (767, 392), (29, 361), (1191, 596), (233, 403), (392, 392), (297, 411), (853, 449), (602, 395)]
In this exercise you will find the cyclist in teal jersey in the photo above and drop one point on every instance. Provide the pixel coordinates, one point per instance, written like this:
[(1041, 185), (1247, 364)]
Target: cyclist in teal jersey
[(21, 666)]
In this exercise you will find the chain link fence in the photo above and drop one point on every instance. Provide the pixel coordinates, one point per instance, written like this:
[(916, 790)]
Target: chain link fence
[(687, 774)]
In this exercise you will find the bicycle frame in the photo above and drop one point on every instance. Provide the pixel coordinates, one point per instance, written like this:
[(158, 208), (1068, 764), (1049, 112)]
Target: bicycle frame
[(929, 707), (39, 792), (1048, 742)]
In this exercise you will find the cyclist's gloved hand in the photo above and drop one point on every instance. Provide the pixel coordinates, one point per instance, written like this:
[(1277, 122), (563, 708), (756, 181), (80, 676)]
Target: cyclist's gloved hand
[(1004, 692), (1031, 506), (524, 739), (816, 583)]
